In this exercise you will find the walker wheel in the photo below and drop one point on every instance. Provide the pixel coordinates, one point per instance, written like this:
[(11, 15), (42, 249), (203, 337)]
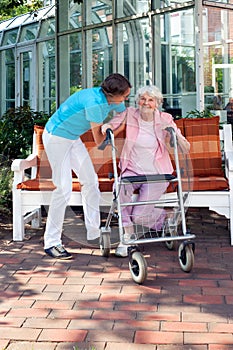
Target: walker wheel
[(186, 257), (172, 245), (138, 267), (171, 232), (105, 244)]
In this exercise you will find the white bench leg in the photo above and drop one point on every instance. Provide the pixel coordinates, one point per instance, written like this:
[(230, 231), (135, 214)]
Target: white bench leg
[(18, 219), (36, 221)]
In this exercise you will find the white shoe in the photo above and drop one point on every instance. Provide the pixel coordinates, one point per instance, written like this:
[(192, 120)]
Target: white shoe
[(121, 250)]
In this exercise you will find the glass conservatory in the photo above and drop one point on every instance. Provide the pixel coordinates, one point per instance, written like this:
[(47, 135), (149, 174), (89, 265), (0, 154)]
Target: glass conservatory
[(183, 47)]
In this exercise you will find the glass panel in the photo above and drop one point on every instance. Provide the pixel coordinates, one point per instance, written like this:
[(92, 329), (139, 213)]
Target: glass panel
[(70, 69), (218, 57), (222, 1), (101, 54), (29, 32), (26, 58), (69, 15), (47, 82), (134, 38), (75, 62), (101, 11), (10, 37), (171, 3), (75, 18), (37, 16), (5, 24), (18, 21), (47, 28), (178, 62), (130, 8), (182, 27), (10, 78)]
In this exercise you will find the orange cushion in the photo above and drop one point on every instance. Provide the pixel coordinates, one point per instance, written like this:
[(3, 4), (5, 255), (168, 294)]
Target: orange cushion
[(199, 183), (105, 185)]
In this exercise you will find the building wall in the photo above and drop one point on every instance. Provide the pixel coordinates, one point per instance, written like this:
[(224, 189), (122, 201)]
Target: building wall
[(46, 56)]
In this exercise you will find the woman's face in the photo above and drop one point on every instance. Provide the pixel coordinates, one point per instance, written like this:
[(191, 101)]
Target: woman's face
[(147, 103)]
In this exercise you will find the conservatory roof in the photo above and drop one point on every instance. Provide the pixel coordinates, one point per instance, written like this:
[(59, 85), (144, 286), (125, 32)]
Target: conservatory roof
[(28, 18)]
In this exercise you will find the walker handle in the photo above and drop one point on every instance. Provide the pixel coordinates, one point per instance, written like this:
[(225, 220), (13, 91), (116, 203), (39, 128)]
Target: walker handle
[(107, 140), (171, 130)]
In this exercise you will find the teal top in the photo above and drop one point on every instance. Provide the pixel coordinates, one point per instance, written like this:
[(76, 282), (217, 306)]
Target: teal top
[(73, 117)]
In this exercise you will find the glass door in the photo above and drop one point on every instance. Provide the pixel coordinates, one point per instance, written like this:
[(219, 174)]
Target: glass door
[(26, 77)]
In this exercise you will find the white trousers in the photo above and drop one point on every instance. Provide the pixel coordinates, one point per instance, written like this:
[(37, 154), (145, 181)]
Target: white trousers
[(65, 155)]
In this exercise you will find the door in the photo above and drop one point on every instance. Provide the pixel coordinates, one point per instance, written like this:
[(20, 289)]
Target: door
[(26, 77)]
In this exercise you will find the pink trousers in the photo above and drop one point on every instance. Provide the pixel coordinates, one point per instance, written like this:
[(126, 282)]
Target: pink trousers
[(146, 215)]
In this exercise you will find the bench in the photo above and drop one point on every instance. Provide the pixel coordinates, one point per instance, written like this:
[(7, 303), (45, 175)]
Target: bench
[(211, 174)]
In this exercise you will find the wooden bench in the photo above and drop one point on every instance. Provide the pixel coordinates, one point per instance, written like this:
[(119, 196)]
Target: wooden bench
[(211, 174)]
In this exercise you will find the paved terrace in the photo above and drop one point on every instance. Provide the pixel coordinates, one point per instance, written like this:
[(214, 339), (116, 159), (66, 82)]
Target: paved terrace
[(92, 302)]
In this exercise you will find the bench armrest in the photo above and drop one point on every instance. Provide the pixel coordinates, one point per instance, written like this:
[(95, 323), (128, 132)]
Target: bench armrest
[(23, 164), (19, 166)]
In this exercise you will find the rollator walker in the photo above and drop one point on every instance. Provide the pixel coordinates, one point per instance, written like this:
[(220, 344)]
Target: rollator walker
[(175, 216)]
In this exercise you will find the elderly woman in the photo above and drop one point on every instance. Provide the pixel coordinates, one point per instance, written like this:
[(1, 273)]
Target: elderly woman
[(144, 152)]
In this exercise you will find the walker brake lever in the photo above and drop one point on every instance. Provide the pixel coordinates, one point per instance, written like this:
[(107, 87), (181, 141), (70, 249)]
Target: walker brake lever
[(107, 140)]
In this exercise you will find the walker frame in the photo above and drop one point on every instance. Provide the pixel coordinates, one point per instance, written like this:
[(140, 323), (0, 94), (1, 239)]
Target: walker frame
[(142, 234)]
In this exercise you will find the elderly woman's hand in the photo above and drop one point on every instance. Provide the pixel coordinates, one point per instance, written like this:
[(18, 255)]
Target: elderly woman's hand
[(104, 127), (165, 126)]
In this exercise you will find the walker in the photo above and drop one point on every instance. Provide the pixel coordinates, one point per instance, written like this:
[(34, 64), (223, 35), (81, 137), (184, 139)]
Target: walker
[(175, 214)]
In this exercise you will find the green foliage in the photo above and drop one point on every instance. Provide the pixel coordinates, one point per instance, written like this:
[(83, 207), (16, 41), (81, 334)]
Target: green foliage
[(5, 185), (13, 8), (199, 114), (16, 131)]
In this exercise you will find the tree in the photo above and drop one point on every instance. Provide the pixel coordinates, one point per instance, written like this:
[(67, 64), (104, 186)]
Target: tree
[(12, 8)]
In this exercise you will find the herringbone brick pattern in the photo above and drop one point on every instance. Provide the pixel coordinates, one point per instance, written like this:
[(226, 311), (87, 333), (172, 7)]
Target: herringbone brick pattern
[(91, 302)]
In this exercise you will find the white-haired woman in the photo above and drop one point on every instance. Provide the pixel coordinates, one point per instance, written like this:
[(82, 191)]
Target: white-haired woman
[(144, 152)]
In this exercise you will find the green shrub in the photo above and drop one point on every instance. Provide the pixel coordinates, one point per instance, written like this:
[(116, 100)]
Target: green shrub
[(16, 130), (6, 178), (206, 113)]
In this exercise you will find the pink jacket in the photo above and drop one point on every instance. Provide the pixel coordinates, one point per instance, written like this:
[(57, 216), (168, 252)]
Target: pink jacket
[(130, 117)]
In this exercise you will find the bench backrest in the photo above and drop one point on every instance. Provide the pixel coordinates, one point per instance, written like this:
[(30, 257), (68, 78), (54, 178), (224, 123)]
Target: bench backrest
[(205, 152), (102, 159), (204, 161)]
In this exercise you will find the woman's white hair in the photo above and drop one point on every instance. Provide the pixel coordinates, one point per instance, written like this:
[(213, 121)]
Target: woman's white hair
[(152, 91)]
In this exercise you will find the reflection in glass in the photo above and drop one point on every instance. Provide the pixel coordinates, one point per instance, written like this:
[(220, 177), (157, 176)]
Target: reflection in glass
[(75, 18), (101, 54), (47, 79), (29, 32), (47, 28), (10, 37), (26, 58), (128, 8), (218, 55), (101, 11), (10, 77), (75, 62), (169, 3)]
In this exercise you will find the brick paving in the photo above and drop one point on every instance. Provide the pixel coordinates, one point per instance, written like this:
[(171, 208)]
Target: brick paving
[(91, 302)]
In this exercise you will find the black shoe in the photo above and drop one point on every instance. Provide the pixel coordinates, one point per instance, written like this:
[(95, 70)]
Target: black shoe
[(58, 252)]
